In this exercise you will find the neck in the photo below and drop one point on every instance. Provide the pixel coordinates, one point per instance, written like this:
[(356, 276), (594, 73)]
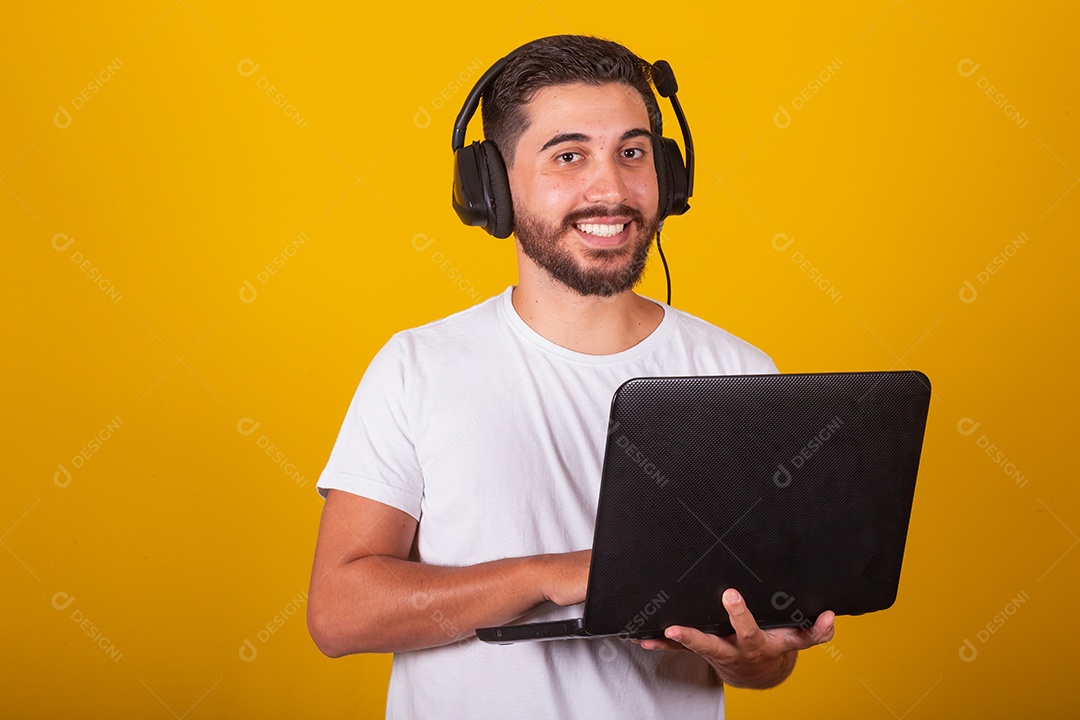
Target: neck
[(590, 325)]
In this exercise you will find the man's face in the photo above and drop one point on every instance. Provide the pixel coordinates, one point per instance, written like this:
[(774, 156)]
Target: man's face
[(583, 181)]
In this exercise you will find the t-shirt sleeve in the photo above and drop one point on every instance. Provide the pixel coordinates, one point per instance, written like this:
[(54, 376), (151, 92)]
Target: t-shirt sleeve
[(374, 455), (766, 366)]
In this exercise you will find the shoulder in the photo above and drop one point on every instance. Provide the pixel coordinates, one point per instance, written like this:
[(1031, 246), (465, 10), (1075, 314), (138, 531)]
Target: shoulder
[(460, 336), (469, 325), (700, 336)]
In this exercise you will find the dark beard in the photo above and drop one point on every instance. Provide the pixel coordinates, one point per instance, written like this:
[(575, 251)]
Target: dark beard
[(541, 243)]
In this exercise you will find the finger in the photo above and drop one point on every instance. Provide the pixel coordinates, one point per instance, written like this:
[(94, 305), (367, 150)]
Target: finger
[(802, 638), (824, 628), (659, 644), (742, 620), (701, 643)]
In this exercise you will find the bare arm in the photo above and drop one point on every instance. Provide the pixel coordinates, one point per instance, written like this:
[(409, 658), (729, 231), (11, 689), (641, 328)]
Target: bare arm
[(367, 596)]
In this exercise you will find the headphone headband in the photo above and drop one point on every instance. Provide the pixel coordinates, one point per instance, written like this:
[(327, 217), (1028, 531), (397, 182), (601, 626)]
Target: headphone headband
[(472, 101)]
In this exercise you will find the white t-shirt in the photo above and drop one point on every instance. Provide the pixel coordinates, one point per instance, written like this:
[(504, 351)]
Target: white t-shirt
[(493, 438)]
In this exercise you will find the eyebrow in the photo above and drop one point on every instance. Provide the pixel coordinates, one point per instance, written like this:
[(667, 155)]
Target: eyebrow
[(583, 138)]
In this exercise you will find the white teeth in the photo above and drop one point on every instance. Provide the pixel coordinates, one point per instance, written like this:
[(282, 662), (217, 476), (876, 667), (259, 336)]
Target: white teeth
[(601, 230)]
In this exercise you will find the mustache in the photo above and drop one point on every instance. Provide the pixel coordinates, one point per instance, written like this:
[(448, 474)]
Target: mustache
[(596, 211)]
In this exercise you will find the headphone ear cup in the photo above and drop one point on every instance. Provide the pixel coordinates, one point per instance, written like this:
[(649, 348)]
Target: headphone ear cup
[(497, 188), (671, 179), (663, 179), (482, 189), (469, 199)]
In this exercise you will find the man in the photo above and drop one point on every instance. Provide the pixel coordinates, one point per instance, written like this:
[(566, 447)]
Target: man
[(461, 492)]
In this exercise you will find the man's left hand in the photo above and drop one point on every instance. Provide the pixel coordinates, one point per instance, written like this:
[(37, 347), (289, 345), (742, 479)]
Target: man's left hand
[(751, 657)]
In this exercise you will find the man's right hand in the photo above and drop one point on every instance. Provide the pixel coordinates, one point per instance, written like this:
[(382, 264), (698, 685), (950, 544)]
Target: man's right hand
[(566, 575), (367, 596)]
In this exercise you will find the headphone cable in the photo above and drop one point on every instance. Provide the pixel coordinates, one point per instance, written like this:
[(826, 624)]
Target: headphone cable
[(667, 273)]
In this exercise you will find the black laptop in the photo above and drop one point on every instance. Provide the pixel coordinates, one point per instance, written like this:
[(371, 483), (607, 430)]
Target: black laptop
[(796, 490)]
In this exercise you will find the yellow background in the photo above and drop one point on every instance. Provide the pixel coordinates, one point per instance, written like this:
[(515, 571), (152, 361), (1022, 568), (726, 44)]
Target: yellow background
[(183, 184)]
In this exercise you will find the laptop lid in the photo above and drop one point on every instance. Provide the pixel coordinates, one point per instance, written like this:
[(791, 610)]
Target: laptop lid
[(796, 490)]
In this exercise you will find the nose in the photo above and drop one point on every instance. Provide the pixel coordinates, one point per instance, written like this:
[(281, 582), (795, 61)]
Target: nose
[(606, 183)]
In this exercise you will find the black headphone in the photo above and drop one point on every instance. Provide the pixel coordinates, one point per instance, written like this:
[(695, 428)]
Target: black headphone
[(481, 186)]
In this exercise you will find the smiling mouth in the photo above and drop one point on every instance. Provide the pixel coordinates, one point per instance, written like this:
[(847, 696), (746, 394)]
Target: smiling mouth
[(600, 229)]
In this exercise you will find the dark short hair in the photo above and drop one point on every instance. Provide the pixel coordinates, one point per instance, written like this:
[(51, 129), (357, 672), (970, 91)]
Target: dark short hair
[(558, 60)]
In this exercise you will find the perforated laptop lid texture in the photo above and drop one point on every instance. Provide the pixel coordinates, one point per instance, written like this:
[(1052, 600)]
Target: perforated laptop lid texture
[(794, 489)]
